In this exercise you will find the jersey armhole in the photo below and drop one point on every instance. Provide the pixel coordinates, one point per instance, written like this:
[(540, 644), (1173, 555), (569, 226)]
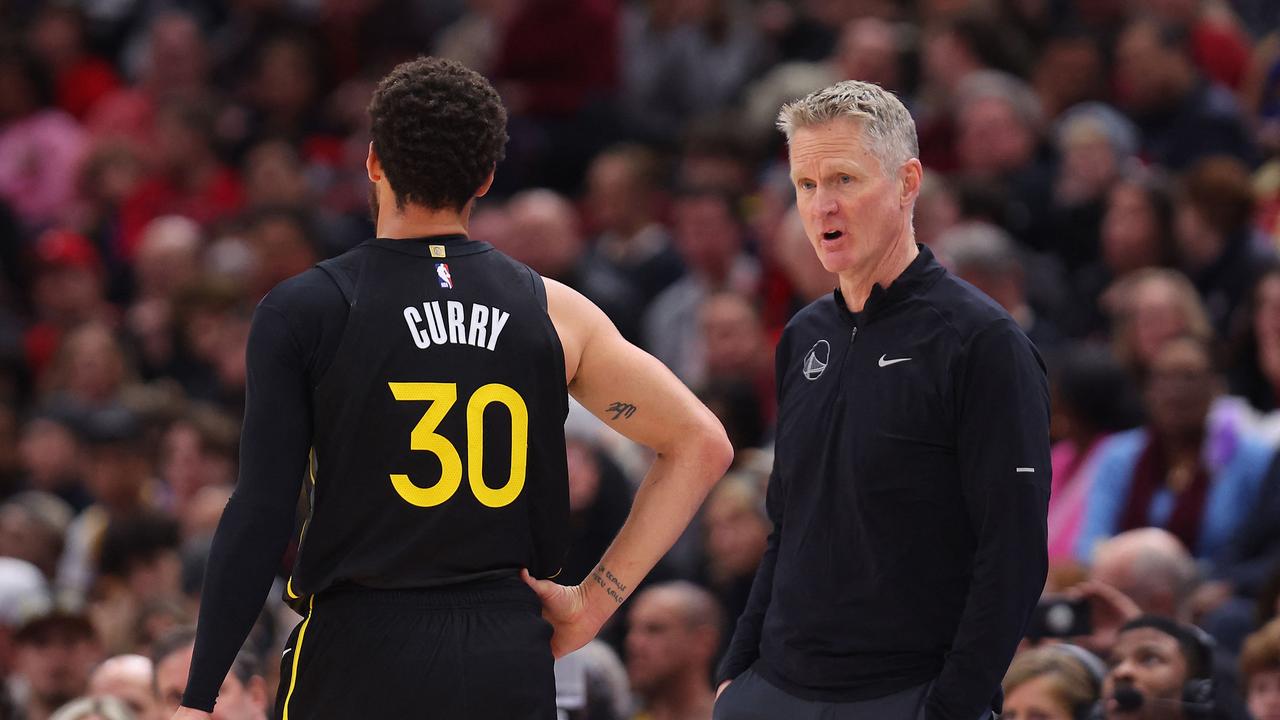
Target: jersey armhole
[(539, 288), (344, 283)]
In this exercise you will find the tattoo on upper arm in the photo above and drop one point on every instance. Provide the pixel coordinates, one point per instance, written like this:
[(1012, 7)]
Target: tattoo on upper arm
[(611, 584), (621, 410)]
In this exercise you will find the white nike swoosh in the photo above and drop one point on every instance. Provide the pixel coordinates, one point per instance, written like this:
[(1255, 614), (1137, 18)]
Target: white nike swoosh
[(286, 652), (887, 363)]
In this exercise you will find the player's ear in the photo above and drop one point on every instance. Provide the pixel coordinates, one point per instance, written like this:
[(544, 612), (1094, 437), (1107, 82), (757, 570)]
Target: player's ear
[(373, 165), (488, 183)]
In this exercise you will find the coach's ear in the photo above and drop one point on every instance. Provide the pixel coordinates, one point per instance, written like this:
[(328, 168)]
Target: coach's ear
[(488, 183)]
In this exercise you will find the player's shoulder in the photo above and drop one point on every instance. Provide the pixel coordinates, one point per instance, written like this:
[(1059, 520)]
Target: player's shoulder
[(309, 293)]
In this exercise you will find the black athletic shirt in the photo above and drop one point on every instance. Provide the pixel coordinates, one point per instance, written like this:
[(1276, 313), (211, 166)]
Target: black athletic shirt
[(421, 384), (908, 496)]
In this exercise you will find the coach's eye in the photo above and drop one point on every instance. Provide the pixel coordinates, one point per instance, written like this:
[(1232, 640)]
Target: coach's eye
[(846, 179), (806, 185)]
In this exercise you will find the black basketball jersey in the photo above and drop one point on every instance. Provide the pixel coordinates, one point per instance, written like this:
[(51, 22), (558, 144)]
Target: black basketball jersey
[(439, 452)]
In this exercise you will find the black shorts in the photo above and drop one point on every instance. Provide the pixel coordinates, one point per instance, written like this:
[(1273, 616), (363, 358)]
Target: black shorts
[(474, 651)]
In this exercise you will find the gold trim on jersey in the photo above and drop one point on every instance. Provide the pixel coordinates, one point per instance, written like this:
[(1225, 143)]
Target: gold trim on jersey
[(311, 474), (297, 650)]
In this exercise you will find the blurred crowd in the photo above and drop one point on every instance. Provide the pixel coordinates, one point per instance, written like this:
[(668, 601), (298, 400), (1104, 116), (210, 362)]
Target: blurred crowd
[(1107, 170)]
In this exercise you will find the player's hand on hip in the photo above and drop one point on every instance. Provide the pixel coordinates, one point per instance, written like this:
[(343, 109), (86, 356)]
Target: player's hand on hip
[(186, 713), (565, 607)]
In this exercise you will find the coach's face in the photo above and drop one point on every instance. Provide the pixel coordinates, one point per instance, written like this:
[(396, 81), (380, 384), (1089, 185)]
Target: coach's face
[(853, 211)]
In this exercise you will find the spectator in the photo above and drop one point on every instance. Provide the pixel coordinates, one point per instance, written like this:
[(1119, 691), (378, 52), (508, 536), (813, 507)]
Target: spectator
[(52, 456), (1182, 117), (1255, 372), (33, 527), (24, 592), (1095, 143), (1161, 662), (1069, 72), (1218, 43), (1215, 236), (737, 350), (736, 533), (40, 146), (283, 244), (80, 78), (1260, 671), (198, 450), (1176, 473), (682, 59), (1092, 398), (120, 480), (188, 178), (1052, 683), (1136, 233), (999, 125), (710, 238), (174, 63), (622, 199), (1151, 567), (90, 369), (674, 633), (546, 236), (95, 708), (243, 695), (55, 651), (985, 256), (126, 678), (1150, 308), (67, 290)]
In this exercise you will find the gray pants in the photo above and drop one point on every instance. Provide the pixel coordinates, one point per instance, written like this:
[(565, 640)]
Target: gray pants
[(751, 697)]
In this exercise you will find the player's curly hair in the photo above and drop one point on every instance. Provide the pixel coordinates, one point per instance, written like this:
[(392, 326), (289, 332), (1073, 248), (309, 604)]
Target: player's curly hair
[(438, 129)]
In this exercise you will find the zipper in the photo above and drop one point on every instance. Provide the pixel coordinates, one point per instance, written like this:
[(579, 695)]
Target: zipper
[(844, 363)]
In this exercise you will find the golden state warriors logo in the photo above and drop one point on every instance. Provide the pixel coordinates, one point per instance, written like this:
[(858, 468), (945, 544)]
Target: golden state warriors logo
[(815, 361)]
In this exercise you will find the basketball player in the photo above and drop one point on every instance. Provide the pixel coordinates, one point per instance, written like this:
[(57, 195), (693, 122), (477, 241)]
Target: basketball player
[(419, 383)]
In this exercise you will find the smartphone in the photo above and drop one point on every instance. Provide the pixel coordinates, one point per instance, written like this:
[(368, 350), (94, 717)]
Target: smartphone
[(1061, 617)]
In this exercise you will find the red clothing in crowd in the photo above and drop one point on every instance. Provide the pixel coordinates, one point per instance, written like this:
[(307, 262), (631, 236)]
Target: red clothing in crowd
[(82, 85), (561, 52), (1221, 51), (220, 197)]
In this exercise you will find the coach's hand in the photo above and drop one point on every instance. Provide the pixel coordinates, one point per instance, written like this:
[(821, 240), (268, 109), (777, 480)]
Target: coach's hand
[(568, 610), (186, 713)]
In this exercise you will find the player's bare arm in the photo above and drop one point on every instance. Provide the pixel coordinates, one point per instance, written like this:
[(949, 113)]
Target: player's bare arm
[(639, 397)]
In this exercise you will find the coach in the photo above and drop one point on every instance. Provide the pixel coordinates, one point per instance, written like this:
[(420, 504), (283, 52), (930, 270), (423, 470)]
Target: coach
[(911, 478)]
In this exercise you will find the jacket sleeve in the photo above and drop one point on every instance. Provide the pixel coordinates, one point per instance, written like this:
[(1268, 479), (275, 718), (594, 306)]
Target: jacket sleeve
[(1003, 450)]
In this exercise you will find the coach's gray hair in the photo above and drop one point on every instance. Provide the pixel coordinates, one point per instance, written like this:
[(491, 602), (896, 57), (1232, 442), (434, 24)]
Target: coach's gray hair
[(887, 126)]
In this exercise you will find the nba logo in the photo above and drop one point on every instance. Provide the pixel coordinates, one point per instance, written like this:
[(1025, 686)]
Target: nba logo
[(446, 280)]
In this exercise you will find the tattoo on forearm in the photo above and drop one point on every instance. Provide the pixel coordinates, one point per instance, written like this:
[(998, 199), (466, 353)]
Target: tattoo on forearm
[(611, 584), (621, 410)]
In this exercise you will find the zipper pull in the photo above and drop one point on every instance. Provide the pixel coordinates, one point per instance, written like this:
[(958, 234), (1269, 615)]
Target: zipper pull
[(853, 336)]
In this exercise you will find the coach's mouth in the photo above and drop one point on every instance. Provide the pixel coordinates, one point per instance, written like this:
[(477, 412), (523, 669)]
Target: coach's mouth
[(832, 235)]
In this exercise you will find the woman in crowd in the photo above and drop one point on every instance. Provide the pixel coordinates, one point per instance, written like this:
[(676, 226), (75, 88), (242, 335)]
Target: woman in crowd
[(1179, 472), (1053, 682)]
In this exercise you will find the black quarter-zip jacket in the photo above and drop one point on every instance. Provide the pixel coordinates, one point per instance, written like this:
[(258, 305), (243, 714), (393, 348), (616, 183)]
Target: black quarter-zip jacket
[(908, 499)]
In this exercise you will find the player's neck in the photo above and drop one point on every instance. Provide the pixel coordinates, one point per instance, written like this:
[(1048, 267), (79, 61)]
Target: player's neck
[(415, 221)]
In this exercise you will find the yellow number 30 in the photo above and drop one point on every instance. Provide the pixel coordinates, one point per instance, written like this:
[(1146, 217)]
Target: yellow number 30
[(442, 396)]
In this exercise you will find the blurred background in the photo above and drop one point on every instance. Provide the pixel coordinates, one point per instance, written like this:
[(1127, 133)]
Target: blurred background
[(1107, 170)]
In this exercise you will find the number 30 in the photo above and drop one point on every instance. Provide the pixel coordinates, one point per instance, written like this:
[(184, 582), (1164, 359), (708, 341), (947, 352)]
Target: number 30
[(442, 396)]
